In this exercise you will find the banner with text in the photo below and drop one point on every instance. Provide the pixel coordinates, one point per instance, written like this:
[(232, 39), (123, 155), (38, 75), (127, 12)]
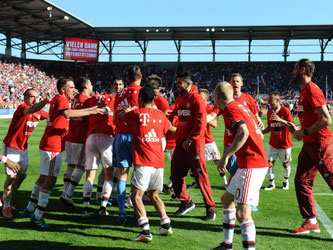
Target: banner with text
[(81, 49)]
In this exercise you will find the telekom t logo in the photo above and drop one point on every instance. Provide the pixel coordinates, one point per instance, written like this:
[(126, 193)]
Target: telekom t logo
[(144, 118)]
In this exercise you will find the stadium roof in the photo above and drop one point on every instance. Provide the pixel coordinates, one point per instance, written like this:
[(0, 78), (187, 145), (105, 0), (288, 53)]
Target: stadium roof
[(43, 23), (38, 20)]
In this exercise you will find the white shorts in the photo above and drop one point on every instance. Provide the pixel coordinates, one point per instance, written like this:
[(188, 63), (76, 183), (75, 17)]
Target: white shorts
[(75, 153), (246, 184), (212, 152), (283, 154), (50, 163), (15, 155), (169, 155), (147, 178), (164, 143), (98, 150)]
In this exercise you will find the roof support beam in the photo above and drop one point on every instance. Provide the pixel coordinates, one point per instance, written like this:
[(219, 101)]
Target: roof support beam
[(143, 46), (214, 52), (23, 50), (8, 51), (285, 49), (178, 44), (323, 44), (249, 53)]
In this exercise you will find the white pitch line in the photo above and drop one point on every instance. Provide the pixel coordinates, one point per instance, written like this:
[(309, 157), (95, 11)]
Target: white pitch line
[(323, 194), (327, 223)]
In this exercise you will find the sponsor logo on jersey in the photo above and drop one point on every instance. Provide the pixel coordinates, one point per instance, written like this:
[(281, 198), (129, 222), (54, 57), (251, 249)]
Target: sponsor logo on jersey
[(32, 124), (144, 118), (151, 136), (184, 112), (123, 105)]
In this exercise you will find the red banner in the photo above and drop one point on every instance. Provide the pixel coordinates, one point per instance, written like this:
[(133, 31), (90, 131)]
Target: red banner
[(81, 49)]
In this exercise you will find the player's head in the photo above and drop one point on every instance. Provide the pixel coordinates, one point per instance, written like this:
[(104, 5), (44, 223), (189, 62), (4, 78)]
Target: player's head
[(146, 96), (134, 73), (303, 68), (236, 81), (155, 82), (204, 93), (66, 87), (223, 93), (83, 85), (30, 96), (184, 82), (274, 100), (117, 83)]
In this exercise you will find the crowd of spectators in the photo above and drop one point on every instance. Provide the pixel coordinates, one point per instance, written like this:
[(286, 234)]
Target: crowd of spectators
[(15, 76)]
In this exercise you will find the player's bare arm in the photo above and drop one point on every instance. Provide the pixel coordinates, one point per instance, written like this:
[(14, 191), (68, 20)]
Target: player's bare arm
[(172, 129), (266, 130), (211, 117), (83, 112), (212, 123), (14, 166), (277, 118), (240, 138), (324, 120), (36, 107), (260, 123)]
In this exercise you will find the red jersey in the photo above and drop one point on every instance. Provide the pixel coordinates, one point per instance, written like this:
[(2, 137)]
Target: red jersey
[(252, 153), (149, 126), (56, 129), (280, 135), (102, 123), (161, 103), (249, 103), (128, 96), (312, 97), (170, 137), (78, 126), (208, 133), (191, 111), (21, 127)]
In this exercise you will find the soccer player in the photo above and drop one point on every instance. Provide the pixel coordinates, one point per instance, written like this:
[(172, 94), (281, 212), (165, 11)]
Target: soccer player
[(190, 147), (15, 145), (280, 139), (75, 142), (245, 185), (116, 86), (149, 126), (51, 147), (122, 144), (317, 151), (99, 150), (212, 152), (161, 103)]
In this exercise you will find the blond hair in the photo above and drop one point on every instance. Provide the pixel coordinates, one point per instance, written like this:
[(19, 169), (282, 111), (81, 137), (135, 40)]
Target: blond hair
[(224, 90)]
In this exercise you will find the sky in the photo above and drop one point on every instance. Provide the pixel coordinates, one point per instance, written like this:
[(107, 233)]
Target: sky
[(206, 13)]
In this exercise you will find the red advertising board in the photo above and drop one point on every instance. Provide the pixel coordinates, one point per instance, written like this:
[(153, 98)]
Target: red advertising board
[(81, 49)]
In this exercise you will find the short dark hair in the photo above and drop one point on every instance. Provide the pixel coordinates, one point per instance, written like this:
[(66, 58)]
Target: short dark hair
[(186, 75), (147, 94), (274, 93), (308, 65), (79, 84), (119, 78), (155, 79), (25, 93), (134, 73), (236, 75), (62, 81)]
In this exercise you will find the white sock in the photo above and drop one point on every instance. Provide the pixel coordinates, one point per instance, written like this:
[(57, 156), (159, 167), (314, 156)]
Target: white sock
[(271, 176), (33, 198), (144, 224), (75, 181), (248, 234), (165, 222), (43, 199), (169, 182), (313, 220), (229, 220), (67, 178), (286, 173), (107, 189), (6, 200), (87, 190)]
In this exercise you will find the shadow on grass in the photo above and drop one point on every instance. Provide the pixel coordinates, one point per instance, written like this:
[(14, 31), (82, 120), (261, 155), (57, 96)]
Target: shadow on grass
[(34, 244), (288, 234)]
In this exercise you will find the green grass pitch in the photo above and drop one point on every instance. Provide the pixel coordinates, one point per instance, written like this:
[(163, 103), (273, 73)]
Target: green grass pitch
[(278, 214)]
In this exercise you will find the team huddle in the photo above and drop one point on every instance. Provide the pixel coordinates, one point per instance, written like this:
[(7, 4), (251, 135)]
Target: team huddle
[(135, 125)]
